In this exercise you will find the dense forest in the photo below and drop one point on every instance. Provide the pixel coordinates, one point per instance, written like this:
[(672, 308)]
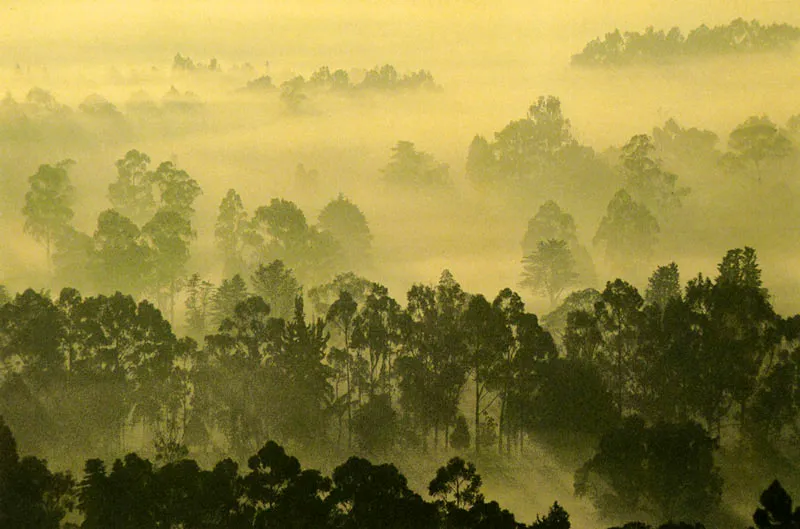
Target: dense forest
[(522, 295), (276, 492)]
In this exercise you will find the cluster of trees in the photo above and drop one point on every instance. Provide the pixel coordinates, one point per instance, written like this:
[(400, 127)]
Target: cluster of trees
[(540, 152), (385, 78), (186, 64), (535, 150), (371, 374), (377, 376), (275, 491), (40, 118), (412, 169), (340, 240), (739, 36), (142, 244), (713, 352)]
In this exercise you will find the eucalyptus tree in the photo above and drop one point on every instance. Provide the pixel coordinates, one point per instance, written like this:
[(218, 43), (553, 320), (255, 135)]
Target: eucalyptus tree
[(48, 204)]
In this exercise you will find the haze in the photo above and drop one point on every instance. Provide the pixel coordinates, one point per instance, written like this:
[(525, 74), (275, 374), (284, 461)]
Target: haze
[(492, 60)]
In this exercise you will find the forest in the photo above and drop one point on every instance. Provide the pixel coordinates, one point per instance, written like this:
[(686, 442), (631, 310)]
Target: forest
[(467, 280)]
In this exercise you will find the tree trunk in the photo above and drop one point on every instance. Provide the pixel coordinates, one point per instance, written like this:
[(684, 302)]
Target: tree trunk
[(477, 414)]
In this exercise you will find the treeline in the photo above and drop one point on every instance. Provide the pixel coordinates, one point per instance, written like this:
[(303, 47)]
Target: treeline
[(273, 491), (295, 91), (653, 46), (372, 375)]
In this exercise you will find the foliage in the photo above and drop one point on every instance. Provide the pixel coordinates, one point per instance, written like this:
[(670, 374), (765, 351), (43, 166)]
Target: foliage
[(666, 470), (48, 204), (412, 169), (739, 36), (550, 270)]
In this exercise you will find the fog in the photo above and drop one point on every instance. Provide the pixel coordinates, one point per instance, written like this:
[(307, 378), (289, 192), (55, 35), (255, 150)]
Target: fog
[(491, 61)]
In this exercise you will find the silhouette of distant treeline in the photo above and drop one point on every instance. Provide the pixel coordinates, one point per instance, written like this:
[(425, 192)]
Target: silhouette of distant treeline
[(274, 491), (631, 47)]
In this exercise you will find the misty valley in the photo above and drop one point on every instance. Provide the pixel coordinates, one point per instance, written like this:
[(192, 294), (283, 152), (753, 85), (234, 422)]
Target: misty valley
[(441, 271)]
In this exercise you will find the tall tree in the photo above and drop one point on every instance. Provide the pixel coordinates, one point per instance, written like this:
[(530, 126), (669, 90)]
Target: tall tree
[(627, 233), (198, 306), (48, 204), (645, 179), (178, 190), (121, 260), (277, 285), (226, 297), (232, 232), (411, 168), (550, 269), (348, 226), (756, 141), (132, 193), (618, 315), (168, 235), (663, 286)]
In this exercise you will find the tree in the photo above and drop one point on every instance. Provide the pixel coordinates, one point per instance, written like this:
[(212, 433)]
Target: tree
[(121, 259), (324, 295), (341, 316), (627, 232), (132, 193), (303, 380), (411, 168), (619, 318), (550, 222), (481, 163), (457, 485), (645, 180), (226, 297), (666, 470), (484, 340), (168, 235), (376, 332), (531, 145), (375, 425), (178, 190), (240, 385), (756, 141), (72, 258), (572, 397), (550, 269), (348, 226), (277, 285), (48, 204), (664, 285), (198, 306), (557, 518), (232, 232), (776, 509), (31, 497), (278, 493), (281, 232), (460, 438), (367, 496)]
